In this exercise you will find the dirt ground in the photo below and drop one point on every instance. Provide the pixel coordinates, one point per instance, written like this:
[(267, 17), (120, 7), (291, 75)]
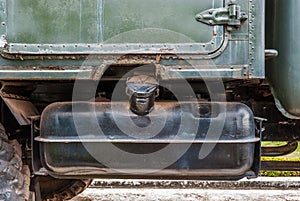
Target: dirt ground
[(186, 195), (123, 190)]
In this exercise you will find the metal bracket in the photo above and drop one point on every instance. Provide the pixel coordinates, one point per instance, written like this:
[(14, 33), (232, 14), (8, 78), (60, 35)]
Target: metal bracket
[(36, 162), (231, 15), (270, 54)]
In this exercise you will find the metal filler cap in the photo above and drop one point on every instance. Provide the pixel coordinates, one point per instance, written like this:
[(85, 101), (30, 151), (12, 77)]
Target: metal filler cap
[(142, 90)]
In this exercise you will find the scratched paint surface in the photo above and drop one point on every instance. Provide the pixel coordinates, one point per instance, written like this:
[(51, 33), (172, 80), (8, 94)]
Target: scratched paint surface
[(107, 21), (52, 21)]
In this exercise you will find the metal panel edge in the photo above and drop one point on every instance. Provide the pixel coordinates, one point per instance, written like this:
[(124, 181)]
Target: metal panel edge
[(257, 39), (3, 20)]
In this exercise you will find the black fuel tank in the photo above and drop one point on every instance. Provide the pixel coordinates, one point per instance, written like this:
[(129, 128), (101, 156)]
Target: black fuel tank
[(104, 139)]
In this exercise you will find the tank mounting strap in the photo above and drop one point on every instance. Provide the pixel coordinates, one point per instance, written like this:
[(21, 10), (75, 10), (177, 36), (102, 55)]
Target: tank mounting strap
[(142, 141)]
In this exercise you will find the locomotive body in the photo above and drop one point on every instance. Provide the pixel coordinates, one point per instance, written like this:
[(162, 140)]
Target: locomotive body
[(144, 89)]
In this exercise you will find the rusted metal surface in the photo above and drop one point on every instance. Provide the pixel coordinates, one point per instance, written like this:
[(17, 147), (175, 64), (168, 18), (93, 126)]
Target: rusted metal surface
[(18, 103), (280, 165), (165, 72), (280, 150), (21, 109)]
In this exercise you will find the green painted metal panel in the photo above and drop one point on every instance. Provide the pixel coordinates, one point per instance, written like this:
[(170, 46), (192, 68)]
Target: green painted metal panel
[(283, 72), (156, 21), (42, 34), (107, 21), (55, 21)]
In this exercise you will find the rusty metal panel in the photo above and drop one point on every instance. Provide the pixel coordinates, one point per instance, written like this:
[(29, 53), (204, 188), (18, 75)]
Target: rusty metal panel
[(21, 109)]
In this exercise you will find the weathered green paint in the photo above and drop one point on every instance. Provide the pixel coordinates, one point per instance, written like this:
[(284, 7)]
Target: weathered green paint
[(44, 34), (100, 21), (283, 72), (164, 21), (55, 21)]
